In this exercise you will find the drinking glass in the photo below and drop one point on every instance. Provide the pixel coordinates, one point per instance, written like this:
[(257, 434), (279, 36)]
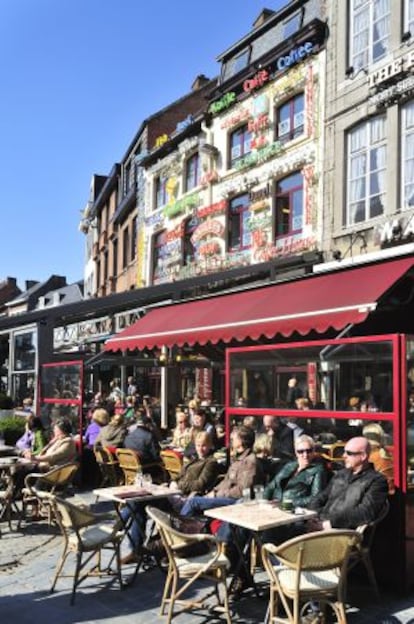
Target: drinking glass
[(246, 494), (258, 492)]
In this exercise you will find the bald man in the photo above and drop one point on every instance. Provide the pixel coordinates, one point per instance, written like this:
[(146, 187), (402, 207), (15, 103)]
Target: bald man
[(355, 495)]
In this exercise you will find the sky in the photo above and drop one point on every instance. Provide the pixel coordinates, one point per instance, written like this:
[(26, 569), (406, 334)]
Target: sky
[(77, 79)]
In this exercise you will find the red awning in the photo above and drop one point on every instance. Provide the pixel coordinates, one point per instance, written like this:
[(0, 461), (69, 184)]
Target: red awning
[(312, 303)]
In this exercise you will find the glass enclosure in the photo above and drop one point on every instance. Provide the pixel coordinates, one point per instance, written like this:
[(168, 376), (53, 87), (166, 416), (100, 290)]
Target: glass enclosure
[(61, 391), (334, 390)]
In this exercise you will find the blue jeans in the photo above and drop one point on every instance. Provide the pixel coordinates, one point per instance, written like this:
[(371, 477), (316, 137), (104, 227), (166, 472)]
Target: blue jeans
[(196, 505), (136, 531)]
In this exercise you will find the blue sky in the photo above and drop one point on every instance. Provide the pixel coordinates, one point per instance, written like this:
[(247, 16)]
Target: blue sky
[(78, 78)]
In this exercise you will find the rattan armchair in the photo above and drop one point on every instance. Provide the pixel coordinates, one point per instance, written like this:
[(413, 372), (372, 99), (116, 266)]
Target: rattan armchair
[(311, 567), (361, 554), (38, 485), (184, 570), (172, 463), (87, 535)]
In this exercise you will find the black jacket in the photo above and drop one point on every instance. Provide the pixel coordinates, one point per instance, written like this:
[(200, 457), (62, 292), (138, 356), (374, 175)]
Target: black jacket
[(143, 441), (351, 499)]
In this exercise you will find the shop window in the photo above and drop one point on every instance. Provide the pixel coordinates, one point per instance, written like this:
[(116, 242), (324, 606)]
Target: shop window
[(289, 205), (367, 154), (370, 25), (161, 196), (192, 172), (240, 144), (407, 155), (189, 250), (291, 119), (158, 256), (239, 235)]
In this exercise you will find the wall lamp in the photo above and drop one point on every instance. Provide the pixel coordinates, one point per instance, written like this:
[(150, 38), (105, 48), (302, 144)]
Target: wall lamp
[(352, 73), (406, 36)]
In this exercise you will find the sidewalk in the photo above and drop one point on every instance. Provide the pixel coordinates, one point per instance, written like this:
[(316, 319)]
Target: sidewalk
[(27, 562)]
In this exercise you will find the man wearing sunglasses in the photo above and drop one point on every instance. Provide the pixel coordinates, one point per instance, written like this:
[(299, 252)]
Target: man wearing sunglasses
[(354, 495)]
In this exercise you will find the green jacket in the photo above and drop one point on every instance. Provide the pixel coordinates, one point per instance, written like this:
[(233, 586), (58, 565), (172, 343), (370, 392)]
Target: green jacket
[(299, 487)]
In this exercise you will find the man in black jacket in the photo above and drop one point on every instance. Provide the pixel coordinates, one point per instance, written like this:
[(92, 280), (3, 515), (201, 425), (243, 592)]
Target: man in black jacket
[(355, 495)]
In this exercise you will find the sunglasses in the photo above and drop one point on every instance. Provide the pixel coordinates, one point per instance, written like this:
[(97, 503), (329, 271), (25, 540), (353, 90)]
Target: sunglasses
[(303, 451), (352, 453)]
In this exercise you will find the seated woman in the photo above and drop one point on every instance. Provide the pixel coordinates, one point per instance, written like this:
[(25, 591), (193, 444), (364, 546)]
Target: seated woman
[(34, 437), (182, 434), (60, 450), (200, 474), (197, 477), (100, 418)]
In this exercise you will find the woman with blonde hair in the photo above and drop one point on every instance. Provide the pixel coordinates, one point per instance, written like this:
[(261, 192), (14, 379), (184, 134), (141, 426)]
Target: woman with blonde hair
[(100, 418)]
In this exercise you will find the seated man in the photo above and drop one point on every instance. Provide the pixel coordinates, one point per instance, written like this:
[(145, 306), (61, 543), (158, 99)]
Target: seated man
[(244, 472), (355, 495)]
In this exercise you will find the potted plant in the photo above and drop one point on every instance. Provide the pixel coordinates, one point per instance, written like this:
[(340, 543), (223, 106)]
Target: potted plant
[(6, 405), (11, 428)]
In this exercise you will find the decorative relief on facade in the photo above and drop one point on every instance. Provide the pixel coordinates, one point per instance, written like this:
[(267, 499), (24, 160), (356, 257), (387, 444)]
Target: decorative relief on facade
[(184, 204)]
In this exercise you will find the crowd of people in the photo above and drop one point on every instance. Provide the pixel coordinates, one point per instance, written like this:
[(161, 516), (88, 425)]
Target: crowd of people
[(277, 453)]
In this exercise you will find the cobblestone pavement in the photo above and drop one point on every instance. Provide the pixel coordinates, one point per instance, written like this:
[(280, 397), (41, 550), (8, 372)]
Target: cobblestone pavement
[(28, 558)]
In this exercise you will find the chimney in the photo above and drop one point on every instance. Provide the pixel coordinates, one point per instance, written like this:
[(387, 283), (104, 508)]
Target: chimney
[(30, 283), (200, 81), (262, 17)]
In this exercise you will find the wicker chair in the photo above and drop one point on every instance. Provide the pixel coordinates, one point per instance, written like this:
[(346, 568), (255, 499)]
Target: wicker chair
[(362, 551), (129, 463), (212, 566), (86, 535), (38, 485), (311, 567), (111, 473), (173, 464)]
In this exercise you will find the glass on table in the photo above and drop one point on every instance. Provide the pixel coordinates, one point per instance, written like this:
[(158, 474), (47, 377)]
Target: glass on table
[(247, 494), (146, 479), (138, 481), (258, 492)]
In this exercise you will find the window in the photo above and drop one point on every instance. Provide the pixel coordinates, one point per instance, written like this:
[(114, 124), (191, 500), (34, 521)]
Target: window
[(234, 65), (125, 248), (407, 145), (160, 191), (192, 172), (239, 236), (370, 31), (158, 244), (367, 152), (291, 118), (189, 250), (240, 144), (409, 17), (291, 25), (133, 238), (115, 258), (289, 205)]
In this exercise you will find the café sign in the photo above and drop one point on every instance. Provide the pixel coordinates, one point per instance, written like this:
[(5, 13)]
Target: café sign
[(392, 69)]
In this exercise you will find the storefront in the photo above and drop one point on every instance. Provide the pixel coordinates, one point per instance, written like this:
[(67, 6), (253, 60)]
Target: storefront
[(352, 367)]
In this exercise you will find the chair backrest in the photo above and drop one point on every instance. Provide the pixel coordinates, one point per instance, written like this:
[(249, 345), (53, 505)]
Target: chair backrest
[(60, 476), (172, 463), (320, 550), (171, 538), (130, 464), (70, 516), (367, 530)]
